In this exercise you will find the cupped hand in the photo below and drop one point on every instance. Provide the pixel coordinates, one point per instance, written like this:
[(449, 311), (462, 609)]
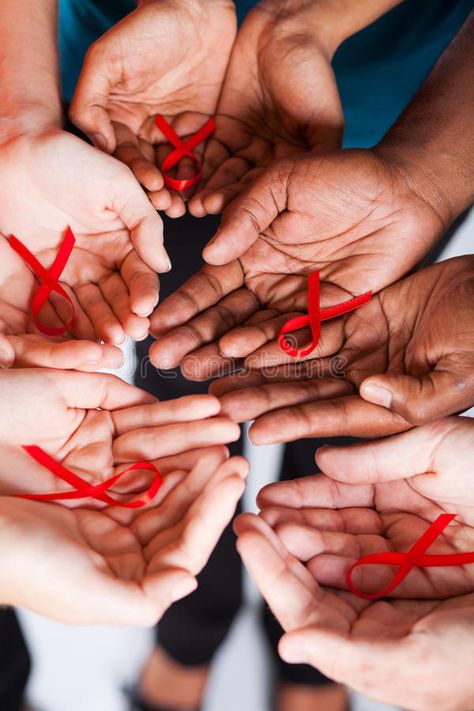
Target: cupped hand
[(99, 571), (93, 423), (163, 58), (404, 359), (21, 345), (373, 497), (52, 179), (279, 98), (351, 215)]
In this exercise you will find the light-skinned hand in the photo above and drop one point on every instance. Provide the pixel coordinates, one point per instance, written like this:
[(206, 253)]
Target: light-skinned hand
[(374, 497), (99, 571), (119, 235), (93, 423), (163, 58), (21, 345)]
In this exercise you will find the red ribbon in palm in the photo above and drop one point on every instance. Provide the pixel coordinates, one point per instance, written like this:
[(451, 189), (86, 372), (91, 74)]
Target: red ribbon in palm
[(49, 279), (181, 150), (315, 316), (413, 558), (92, 491)]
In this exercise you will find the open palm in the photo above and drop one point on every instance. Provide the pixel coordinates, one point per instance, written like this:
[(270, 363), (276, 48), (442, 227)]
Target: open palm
[(163, 58), (344, 213), (265, 114), (378, 496), (100, 571), (401, 360), (119, 237)]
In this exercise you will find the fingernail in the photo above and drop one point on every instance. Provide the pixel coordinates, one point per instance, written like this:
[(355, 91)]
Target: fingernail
[(168, 265), (99, 141), (183, 588), (293, 652), (377, 394)]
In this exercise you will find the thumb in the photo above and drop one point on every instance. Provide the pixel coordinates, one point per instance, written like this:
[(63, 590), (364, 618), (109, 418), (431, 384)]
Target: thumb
[(423, 399), (7, 352), (398, 457), (143, 222), (252, 212), (88, 109)]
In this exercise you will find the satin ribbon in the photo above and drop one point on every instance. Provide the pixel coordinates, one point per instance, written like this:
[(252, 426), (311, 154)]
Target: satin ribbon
[(49, 279), (315, 317), (182, 149), (85, 490), (414, 558)]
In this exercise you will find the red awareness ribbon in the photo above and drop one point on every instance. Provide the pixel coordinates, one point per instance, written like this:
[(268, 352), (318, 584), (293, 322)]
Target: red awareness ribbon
[(182, 149), (85, 490), (414, 558), (315, 316), (49, 279)]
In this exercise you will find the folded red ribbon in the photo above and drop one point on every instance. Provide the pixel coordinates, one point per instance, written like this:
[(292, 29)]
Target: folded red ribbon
[(182, 149), (49, 279), (414, 558), (85, 490), (315, 316)]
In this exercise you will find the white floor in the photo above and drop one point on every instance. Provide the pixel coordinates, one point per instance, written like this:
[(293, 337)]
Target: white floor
[(109, 658)]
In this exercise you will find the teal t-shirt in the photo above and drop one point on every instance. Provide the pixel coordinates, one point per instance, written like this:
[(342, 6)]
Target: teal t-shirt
[(378, 70)]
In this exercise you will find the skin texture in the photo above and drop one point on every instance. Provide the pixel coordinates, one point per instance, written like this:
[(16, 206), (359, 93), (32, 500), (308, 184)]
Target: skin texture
[(336, 213), (111, 270), (101, 571), (401, 360), (164, 58), (373, 497), (58, 411)]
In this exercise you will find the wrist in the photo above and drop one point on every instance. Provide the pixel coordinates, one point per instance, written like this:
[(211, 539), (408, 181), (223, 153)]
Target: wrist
[(27, 118), (325, 22), (427, 172)]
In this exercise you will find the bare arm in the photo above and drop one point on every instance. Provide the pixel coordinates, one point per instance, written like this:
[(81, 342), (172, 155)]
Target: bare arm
[(333, 20), (29, 73), (433, 140)]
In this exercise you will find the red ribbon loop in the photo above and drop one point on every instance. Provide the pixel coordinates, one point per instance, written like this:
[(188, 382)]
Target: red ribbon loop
[(182, 149), (85, 490), (49, 279), (315, 317), (415, 557)]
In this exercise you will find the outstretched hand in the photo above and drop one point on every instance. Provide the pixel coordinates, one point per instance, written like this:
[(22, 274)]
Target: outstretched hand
[(162, 58), (99, 571), (372, 498), (93, 423), (401, 360), (351, 215), (279, 98), (111, 273)]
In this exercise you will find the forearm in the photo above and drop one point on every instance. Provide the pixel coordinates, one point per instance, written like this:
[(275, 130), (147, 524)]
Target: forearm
[(433, 140), (29, 72)]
